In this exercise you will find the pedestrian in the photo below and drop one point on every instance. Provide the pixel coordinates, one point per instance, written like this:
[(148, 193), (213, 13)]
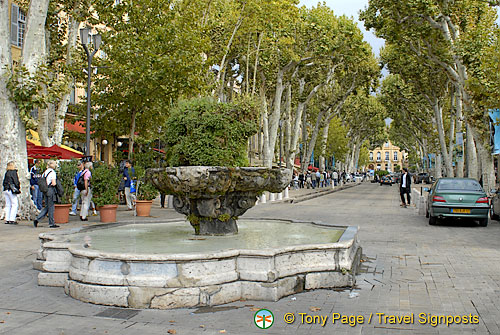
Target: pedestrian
[(301, 179), (321, 178), (313, 180), (11, 188), (128, 175), (335, 178), (76, 192), (308, 177), (50, 197), (87, 192), (162, 199), (405, 187), (36, 194)]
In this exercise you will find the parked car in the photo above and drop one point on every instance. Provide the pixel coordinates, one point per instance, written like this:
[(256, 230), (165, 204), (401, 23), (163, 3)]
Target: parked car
[(386, 180), (495, 205), (423, 177), (397, 177), (461, 198)]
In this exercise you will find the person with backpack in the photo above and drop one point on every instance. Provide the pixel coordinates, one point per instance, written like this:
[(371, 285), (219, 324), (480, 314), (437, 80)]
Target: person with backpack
[(36, 195), (11, 188), (76, 192), (128, 175), (47, 184), (86, 192)]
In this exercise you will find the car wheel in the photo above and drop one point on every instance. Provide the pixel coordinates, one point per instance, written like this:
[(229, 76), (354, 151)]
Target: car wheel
[(432, 220), (494, 216), (483, 222)]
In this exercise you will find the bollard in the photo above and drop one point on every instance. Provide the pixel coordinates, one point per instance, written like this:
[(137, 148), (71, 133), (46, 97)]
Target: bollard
[(421, 206), (280, 196), (263, 198), (285, 194), (170, 201), (272, 197)]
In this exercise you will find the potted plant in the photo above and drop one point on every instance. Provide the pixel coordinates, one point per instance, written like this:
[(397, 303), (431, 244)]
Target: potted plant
[(145, 194), (105, 180), (65, 174)]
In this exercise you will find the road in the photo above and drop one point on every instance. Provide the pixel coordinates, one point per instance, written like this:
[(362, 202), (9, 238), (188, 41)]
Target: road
[(408, 268)]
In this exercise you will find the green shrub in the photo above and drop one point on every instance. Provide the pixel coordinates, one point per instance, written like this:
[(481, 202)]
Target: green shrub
[(105, 182), (146, 191), (66, 171), (202, 131)]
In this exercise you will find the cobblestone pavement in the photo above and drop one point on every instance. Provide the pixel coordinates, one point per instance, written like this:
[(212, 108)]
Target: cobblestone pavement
[(409, 268)]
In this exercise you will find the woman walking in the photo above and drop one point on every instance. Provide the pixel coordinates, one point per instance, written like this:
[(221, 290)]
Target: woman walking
[(11, 188)]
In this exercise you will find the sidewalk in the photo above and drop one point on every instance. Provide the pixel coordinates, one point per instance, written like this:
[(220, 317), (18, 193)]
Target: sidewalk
[(305, 194)]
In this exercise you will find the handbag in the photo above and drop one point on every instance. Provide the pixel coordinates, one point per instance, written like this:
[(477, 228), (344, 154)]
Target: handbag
[(14, 189)]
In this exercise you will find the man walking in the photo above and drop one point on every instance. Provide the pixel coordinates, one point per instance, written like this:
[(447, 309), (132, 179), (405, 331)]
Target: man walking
[(50, 177), (128, 174), (36, 194), (405, 187), (76, 192)]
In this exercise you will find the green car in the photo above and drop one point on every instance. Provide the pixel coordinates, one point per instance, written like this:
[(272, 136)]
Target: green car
[(457, 198)]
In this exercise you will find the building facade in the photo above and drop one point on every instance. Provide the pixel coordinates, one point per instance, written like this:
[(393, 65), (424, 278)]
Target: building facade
[(389, 157)]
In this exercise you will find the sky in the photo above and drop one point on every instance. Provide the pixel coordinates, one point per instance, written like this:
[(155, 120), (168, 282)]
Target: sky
[(351, 8)]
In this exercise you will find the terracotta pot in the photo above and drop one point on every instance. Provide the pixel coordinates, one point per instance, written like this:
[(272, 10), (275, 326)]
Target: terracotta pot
[(61, 213), (108, 213), (143, 207)]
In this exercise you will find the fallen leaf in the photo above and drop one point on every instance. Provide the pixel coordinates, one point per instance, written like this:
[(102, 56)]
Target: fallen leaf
[(202, 326), (314, 309), (222, 331), (255, 309), (172, 331), (172, 321), (249, 305), (8, 313), (2, 321)]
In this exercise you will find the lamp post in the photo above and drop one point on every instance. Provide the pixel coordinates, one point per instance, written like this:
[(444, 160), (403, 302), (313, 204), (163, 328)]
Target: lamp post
[(96, 41)]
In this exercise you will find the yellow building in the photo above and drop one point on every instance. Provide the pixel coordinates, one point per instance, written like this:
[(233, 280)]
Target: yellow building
[(17, 19), (389, 157)]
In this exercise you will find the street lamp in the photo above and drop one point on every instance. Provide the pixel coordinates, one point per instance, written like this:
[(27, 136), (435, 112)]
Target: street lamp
[(96, 41)]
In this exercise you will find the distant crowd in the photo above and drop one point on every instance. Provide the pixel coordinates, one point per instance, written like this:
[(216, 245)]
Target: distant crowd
[(317, 179)]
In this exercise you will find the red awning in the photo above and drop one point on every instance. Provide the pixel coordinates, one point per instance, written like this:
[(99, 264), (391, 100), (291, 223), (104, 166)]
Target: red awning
[(39, 152), (64, 153)]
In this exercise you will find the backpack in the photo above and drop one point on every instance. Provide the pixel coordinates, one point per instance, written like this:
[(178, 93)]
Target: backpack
[(42, 183), (80, 183)]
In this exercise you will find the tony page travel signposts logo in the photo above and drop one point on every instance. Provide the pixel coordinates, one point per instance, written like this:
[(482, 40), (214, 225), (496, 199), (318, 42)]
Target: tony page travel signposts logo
[(263, 319)]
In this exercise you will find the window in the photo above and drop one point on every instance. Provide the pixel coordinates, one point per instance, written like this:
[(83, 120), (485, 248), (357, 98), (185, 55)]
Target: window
[(17, 25), (387, 155), (379, 156), (386, 145), (371, 156), (378, 167), (395, 156)]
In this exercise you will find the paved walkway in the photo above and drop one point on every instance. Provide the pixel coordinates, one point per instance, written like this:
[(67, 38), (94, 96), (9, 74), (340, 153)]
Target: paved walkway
[(409, 268)]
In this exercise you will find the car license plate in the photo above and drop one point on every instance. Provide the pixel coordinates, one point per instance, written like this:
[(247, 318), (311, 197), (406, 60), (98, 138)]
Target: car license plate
[(460, 211)]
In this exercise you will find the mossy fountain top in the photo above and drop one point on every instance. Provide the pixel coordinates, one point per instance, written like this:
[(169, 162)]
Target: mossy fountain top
[(213, 197)]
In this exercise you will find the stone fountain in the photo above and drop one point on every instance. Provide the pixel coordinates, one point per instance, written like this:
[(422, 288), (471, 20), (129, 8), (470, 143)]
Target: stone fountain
[(213, 198), (161, 264)]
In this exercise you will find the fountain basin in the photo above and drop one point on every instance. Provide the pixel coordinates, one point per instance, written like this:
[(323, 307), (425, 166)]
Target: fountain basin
[(125, 264)]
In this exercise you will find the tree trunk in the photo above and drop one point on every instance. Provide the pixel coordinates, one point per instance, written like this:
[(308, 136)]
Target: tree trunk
[(58, 129), (12, 129), (314, 138), (439, 166), (132, 135), (438, 113), (472, 163), (324, 139)]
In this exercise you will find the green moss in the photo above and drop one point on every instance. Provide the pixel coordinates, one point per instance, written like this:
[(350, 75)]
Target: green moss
[(224, 217)]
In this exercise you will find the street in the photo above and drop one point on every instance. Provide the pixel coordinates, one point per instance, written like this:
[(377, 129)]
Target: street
[(408, 268)]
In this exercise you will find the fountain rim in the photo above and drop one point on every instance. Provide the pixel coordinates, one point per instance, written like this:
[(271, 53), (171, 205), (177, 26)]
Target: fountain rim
[(59, 240)]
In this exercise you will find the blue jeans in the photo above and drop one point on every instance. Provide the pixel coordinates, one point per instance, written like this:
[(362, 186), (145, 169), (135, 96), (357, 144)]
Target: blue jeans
[(76, 195), (37, 197)]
